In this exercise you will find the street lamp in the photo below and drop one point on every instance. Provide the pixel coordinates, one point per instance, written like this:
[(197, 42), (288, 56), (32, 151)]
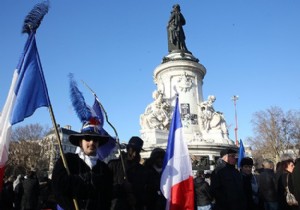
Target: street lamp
[(235, 98)]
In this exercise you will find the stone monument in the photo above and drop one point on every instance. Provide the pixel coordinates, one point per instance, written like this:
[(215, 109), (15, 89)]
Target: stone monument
[(181, 73)]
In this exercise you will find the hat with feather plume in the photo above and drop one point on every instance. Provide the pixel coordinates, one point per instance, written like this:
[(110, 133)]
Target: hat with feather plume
[(91, 118)]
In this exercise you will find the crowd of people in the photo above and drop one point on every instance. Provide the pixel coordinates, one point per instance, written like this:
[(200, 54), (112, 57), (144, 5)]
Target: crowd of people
[(27, 193), (248, 189), (127, 184), (90, 184)]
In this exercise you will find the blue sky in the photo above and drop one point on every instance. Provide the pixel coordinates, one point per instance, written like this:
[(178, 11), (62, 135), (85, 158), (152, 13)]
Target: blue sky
[(250, 48)]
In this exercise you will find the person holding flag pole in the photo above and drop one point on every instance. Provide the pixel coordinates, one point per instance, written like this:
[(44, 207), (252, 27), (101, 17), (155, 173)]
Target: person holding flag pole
[(112, 143), (90, 180), (177, 178), (28, 90)]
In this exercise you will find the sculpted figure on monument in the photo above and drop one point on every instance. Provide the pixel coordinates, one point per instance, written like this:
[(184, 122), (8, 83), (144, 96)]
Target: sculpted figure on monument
[(156, 115), (211, 119), (176, 36)]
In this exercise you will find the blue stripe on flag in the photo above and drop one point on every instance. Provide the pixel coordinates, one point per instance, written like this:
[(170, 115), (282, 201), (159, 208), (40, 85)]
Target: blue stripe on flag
[(99, 112), (105, 150), (176, 123), (31, 90)]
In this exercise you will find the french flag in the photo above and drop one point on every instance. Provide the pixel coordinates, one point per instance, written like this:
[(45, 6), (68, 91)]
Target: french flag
[(105, 150), (177, 178), (28, 91)]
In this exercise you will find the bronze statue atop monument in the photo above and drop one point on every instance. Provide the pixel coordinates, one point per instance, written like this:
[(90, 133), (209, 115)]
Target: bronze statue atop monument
[(176, 36)]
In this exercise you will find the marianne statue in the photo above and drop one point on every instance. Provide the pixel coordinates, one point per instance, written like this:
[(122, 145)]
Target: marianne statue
[(176, 37)]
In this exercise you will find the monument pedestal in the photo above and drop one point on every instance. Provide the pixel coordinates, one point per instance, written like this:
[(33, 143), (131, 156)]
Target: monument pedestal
[(205, 131)]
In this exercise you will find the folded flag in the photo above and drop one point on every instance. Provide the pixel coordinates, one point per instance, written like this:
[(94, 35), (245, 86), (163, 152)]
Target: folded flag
[(105, 150), (241, 153)]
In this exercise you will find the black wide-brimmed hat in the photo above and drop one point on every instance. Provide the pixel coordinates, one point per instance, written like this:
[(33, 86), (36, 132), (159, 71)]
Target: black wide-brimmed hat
[(136, 143), (88, 132)]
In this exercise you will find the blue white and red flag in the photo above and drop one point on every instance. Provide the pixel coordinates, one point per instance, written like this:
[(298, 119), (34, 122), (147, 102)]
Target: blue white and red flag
[(177, 178), (105, 150), (28, 91)]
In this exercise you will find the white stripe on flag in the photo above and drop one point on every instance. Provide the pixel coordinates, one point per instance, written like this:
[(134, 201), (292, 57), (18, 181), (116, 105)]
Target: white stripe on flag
[(5, 125), (177, 177)]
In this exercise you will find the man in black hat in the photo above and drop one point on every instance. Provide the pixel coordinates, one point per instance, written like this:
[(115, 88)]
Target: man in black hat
[(129, 178), (154, 165), (226, 183), (89, 181)]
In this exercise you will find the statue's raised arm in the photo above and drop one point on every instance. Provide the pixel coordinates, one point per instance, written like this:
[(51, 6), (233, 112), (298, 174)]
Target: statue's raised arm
[(176, 36)]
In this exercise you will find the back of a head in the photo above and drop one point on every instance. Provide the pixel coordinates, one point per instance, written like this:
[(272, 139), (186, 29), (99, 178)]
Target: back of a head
[(200, 173), (157, 152), (268, 164), (247, 161)]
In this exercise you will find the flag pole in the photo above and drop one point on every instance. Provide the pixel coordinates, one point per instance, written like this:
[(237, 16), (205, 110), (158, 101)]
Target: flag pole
[(31, 23), (106, 117), (60, 147)]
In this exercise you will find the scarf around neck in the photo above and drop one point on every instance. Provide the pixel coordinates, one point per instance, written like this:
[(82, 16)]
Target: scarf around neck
[(91, 161)]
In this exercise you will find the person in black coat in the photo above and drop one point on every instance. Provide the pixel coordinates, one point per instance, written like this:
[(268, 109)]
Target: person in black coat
[(203, 198), (129, 188), (268, 186), (155, 198), (226, 183), (285, 180), (296, 180), (30, 192), (7, 194), (18, 191), (250, 184), (89, 183)]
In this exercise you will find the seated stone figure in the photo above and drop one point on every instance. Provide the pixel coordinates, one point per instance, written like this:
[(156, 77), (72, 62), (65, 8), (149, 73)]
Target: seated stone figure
[(211, 119), (156, 115)]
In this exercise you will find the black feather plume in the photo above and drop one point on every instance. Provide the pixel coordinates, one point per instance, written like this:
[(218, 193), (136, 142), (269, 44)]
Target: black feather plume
[(82, 110), (35, 17)]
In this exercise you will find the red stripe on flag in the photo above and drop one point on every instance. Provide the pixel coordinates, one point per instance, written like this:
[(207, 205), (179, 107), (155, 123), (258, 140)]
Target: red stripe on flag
[(2, 170), (182, 195)]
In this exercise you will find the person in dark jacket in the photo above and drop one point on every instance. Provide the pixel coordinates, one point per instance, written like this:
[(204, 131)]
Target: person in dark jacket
[(30, 192), (203, 198), (250, 184), (226, 183), (89, 182), (296, 180), (129, 188), (7, 194), (155, 198), (268, 186), (18, 191), (285, 180)]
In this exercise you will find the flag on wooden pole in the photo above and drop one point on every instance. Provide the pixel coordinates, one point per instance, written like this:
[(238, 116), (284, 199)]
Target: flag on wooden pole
[(177, 178)]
